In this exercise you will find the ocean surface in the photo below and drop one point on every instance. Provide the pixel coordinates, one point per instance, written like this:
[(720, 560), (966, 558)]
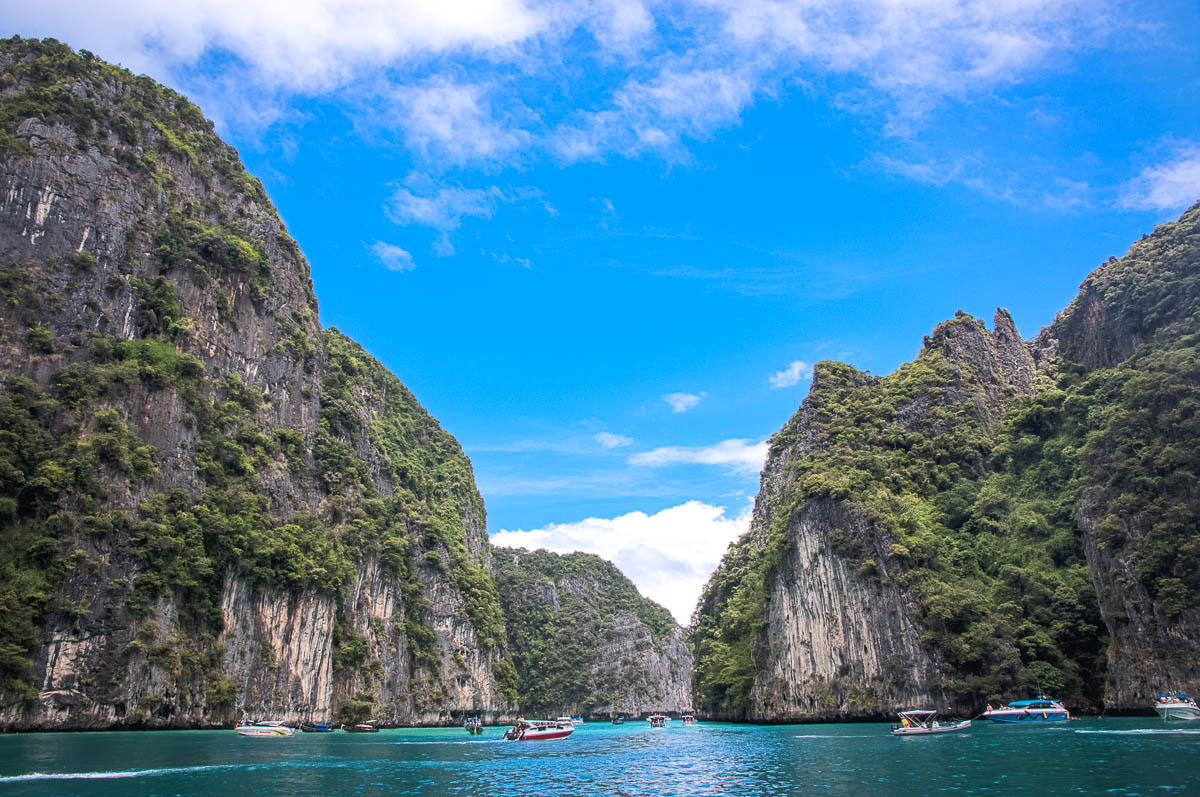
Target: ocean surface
[(1091, 756)]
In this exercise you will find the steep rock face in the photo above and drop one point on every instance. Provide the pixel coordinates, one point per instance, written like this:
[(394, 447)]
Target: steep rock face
[(841, 645), (585, 642), (211, 508)]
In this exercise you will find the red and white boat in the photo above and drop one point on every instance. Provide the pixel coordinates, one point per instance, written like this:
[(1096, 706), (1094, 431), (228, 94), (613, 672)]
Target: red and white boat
[(538, 730)]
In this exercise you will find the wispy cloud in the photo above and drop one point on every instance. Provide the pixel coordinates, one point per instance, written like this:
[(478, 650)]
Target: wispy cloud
[(453, 123), (739, 454), (393, 257), (1171, 185), (422, 201), (669, 555), (796, 372), (682, 402), (671, 72), (610, 440)]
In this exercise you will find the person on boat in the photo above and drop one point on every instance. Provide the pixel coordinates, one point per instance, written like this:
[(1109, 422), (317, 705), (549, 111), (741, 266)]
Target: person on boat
[(904, 723)]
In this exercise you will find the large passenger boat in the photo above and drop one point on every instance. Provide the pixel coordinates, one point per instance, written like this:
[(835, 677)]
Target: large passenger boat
[(1039, 709)]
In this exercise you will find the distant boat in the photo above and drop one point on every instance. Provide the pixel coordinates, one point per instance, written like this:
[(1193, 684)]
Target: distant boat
[(1038, 710), (362, 727), (1177, 707), (567, 720), (921, 722), (474, 725), (688, 719), (658, 720), (577, 720), (318, 727), (538, 730), (618, 721), (264, 728)]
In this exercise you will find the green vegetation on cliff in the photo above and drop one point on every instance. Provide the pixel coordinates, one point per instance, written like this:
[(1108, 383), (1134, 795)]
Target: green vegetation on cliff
[(558, 609)]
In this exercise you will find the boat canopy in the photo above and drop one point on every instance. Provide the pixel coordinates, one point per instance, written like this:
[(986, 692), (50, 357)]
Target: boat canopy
[(917, 714), (1038, 700), (1177, 697)]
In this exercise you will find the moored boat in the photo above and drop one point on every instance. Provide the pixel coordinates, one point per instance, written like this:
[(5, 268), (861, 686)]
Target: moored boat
[(921, 722), (318, 727), (1176, 707), (362, 727), (474, 725), (264, 728), (618, 721), (688, 719), (538, 730), (1039, 709), (658, 720), (565, 720)]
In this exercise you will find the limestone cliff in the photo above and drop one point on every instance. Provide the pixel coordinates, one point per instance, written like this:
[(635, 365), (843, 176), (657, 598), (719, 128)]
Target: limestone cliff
[(993, 519), (209, 507), (585, 642)]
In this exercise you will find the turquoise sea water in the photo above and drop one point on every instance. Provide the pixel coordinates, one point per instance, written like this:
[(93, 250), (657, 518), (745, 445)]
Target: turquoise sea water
[(1111, 756)]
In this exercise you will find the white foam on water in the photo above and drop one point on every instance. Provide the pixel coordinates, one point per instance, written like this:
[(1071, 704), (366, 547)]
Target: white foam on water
[(1148, 732), (832, 736), (119, 774)]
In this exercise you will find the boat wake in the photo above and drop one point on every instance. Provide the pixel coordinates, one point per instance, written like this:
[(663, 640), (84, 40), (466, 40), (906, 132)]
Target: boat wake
[(120, 774), (1148, 732), (831, 736)]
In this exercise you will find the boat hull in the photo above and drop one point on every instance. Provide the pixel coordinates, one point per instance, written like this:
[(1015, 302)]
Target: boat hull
[(1178, 712), (962, 726)]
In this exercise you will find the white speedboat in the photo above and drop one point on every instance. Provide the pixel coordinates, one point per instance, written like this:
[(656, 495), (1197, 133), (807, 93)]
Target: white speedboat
[(921, 722), (1176, 707), (264, 728), (658, 720)]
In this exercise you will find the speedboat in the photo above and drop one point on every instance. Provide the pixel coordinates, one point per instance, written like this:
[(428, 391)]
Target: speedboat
[(362, 727), (618, 721), (474, 725), (565, 720), (1176, 707), (658, 720), (538, 730), (264, 728), (576, 720), (688, 719), (1039, 709), (920, 722), (318, 727)]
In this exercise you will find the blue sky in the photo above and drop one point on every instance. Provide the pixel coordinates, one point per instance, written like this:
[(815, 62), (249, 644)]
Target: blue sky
[(603, 242)]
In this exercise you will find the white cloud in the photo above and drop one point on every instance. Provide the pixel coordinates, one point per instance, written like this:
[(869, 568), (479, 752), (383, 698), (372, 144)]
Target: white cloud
[(421, 201), (741, 455), (668, 555), (682, 402), (796, 371), (303, 45), (1172, 185), (610, 440), (454, 123), (393, 257)]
